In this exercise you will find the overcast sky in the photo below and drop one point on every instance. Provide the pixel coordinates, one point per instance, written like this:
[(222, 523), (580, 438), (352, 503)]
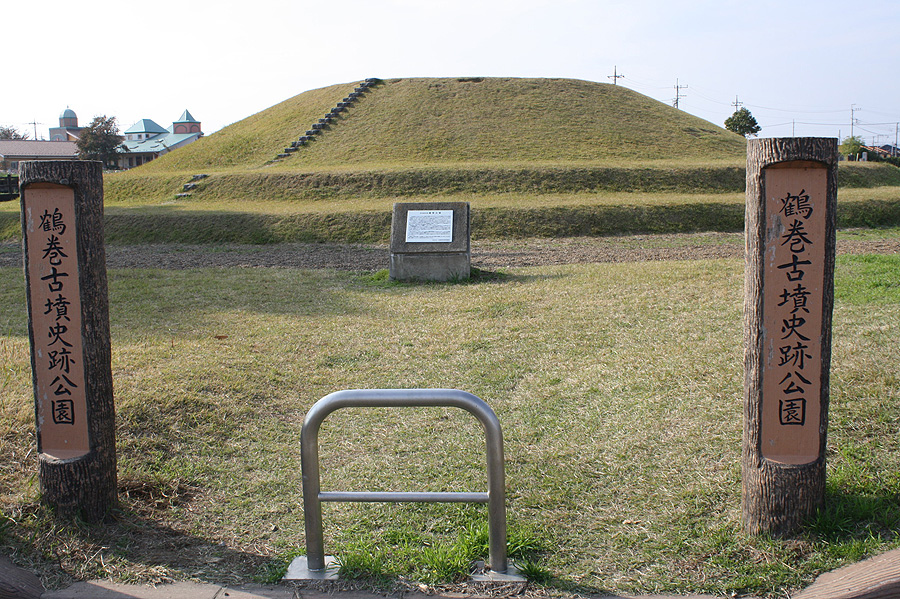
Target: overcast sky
[(800, 66)]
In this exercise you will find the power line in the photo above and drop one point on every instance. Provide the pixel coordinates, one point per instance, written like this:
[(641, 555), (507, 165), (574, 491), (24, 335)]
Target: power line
[(892, 126)]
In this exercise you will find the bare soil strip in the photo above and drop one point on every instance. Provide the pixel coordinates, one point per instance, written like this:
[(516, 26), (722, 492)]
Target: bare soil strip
[(485, 254)]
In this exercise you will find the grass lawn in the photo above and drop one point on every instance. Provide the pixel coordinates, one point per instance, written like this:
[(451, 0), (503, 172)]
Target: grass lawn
[(618, 387)]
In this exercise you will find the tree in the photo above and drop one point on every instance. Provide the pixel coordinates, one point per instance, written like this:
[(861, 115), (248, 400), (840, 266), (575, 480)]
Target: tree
[(11, 133), (100, 141), (742, 123), (851, 146)]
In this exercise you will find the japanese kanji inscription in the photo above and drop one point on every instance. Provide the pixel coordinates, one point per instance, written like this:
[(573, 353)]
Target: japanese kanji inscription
[(793, 277), (56, 321)]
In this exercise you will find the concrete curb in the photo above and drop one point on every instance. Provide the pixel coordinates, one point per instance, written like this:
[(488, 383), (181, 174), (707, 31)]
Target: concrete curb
[(186, 590), (874, 578), (100, 589)]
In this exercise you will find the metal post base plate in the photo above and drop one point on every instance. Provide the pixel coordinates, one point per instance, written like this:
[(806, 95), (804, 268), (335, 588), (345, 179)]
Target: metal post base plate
[(299, 570), (512, 574)]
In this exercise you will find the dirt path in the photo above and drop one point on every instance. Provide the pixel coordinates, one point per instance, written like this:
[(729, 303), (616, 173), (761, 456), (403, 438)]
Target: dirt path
[(485, 254)]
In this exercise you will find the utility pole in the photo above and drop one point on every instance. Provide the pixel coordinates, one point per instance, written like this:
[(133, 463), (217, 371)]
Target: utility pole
[(737, 105), (896, 139), (35, 124), (614, 76), (853, 109), (678, 94)]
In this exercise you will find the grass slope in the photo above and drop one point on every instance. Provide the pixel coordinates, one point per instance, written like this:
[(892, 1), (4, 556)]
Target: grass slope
[(253, 140), (452, 121)]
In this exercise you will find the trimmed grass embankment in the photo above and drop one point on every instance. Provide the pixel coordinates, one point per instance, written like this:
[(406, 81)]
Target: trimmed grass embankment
[(188, 226), (489, 223), (135, 187), (365, 217), (509, 202)]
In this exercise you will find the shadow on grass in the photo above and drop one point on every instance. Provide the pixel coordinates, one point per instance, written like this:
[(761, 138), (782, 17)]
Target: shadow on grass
[(848, 518), (135, 545), (381, 278)]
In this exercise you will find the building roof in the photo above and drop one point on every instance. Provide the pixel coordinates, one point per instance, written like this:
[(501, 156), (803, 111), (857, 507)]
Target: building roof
[(158, 143), (17, 149), (68, 113), (186, 118), (145, 126)]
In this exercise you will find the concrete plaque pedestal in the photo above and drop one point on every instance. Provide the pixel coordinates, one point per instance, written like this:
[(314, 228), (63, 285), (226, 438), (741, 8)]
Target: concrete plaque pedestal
[(430, 242)]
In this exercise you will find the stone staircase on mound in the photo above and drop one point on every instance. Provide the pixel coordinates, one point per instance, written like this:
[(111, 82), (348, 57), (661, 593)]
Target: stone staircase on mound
[(330, 118), (186, 190)]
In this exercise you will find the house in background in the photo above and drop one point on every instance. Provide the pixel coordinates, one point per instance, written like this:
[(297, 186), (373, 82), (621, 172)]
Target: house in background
[(68, 129), (146, 140), (14, 151)]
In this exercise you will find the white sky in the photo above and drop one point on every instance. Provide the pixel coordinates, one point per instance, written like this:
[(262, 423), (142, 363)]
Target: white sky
[(800, 66)]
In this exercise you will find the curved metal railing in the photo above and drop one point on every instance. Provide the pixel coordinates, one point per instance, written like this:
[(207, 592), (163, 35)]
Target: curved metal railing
[(313, 496)]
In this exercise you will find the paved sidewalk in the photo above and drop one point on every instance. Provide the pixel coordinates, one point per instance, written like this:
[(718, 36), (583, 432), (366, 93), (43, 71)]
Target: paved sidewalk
[(187, 590), (101, 589), (875, 578)]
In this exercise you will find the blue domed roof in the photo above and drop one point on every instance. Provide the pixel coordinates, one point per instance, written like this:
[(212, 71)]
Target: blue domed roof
[(68, 113)]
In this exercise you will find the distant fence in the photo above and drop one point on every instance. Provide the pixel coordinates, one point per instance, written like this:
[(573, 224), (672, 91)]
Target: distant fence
[(9, 188)]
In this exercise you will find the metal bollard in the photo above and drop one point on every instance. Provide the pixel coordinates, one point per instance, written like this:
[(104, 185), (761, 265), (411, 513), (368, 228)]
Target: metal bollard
[(313, 496)]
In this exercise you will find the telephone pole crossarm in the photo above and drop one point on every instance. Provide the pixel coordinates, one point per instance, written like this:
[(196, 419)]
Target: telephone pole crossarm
[(678, 94), (615, 75)]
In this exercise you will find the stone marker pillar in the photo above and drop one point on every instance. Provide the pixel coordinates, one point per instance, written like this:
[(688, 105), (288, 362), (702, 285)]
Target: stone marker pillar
[(788, 299), (68, 326), (430, 242)]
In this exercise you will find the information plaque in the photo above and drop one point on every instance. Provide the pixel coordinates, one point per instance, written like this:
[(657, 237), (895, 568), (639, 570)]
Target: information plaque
[(429, 226)]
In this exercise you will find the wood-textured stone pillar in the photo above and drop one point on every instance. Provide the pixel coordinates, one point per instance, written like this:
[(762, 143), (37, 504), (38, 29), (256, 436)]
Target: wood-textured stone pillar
[(788, 299), (68, 326)]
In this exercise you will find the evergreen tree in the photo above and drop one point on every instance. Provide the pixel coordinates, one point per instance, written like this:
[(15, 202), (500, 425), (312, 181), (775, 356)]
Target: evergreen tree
[(742, 123)]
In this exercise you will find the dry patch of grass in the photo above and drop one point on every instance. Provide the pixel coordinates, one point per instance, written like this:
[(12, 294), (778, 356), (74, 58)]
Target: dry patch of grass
[(618, 387)]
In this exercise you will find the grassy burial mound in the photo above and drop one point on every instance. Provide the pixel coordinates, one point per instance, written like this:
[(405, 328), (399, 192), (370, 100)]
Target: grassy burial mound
[(455, 122), (534, 157), (505, 145)]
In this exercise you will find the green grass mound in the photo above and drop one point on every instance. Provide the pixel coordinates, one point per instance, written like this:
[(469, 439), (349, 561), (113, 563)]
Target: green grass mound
[(451, 121)]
